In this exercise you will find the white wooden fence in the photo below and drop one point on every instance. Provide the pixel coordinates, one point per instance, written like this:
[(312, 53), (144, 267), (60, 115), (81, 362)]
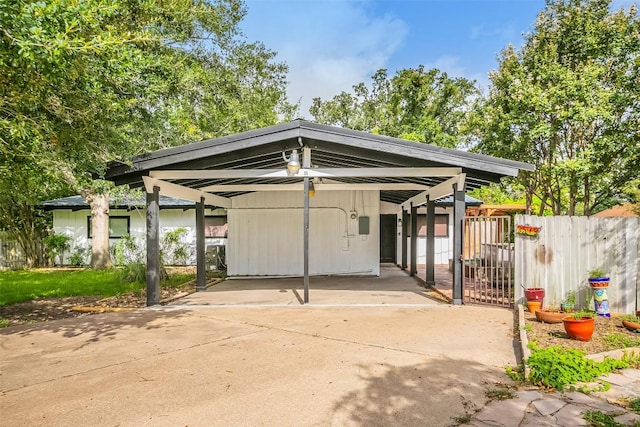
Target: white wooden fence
[(11, 255), (560, 257)]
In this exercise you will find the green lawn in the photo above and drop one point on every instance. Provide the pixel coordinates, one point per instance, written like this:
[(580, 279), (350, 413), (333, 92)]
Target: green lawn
[(25, 285)]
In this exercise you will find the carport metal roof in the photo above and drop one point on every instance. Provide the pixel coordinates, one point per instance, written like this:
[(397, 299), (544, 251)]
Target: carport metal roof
[(342, 159)]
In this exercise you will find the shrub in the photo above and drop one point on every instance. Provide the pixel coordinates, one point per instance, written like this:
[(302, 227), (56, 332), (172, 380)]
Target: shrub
[(79, 256), (173, 247), (57, 245)]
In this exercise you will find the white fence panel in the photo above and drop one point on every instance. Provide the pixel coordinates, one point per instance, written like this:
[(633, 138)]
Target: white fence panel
[(567, 248)]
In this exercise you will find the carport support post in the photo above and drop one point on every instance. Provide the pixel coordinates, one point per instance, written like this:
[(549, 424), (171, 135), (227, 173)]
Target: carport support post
[(201, 281), (414, 241), (431, 243), (458, 219), (153, 250), (306, 240), (405, 234)]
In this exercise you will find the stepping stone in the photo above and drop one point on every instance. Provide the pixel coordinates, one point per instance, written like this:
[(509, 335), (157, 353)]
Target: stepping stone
[(570, 415), (628, 419), (548, 406), (618, 379)]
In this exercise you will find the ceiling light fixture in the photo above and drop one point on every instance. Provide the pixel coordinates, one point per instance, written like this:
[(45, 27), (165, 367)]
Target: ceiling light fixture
[(293, 162)]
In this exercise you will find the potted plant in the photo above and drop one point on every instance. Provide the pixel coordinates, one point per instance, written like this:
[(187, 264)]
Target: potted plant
[(631, 322), (598, 278), (569, 302), (534, 294), (533, 306), (550, 315), (599, 282), (579, 326)]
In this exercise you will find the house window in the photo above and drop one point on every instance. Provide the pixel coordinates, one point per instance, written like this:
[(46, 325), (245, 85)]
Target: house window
[(119, 226), (215, 226), (441, 225)]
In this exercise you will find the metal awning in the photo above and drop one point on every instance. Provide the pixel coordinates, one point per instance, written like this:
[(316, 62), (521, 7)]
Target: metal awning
[(206, 165)]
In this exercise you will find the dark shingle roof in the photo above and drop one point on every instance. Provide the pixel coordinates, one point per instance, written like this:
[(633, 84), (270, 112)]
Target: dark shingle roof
[(78, 203)]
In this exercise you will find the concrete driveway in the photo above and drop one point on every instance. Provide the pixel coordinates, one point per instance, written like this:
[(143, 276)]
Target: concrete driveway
[(256, 366)]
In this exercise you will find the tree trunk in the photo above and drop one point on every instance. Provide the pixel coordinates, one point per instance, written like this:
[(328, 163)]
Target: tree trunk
[(100, 255), (573, 195), (587, 196)]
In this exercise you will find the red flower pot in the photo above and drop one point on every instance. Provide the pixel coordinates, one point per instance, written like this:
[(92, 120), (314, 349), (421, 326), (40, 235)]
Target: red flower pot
[(579, 329), (534, 294)]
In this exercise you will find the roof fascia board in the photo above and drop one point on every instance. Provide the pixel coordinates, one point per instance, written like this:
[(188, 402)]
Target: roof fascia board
[(445, 188), (417, 150), (185, 193), (200, 150), (310, 173), (318, 187)]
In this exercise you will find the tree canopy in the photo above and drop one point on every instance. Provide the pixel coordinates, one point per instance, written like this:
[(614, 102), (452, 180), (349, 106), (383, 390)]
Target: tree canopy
[(568, 102), (416, 104), (82, 83)]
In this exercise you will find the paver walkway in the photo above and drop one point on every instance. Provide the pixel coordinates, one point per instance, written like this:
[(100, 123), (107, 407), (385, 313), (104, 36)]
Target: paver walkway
[(535, 408)]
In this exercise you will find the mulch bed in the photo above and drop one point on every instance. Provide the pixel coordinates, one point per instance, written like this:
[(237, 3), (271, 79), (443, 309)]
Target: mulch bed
[(606, 337)]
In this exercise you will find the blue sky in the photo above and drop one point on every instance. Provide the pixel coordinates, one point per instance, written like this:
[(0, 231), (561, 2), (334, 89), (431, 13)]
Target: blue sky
[(330, 45)]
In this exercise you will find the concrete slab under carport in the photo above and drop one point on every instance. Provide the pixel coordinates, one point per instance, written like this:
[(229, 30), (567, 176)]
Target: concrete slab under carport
[(392, 287)]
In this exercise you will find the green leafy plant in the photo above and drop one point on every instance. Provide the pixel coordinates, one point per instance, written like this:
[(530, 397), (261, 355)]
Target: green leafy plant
[(631, 318), (57, 245), (557, 367), (621, 341), (134, 272), (597, 273), (570, 298), (582, 313), (500, 393), (600, 419), (634, 405), (79, 256), (127, 251), (516, 373), (174, 248)]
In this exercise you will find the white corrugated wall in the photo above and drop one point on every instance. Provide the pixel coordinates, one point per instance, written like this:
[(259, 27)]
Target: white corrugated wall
[(266, 236)]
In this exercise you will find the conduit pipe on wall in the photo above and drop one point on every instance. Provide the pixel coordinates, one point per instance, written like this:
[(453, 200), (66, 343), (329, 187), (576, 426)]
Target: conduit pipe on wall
[(346, 214)]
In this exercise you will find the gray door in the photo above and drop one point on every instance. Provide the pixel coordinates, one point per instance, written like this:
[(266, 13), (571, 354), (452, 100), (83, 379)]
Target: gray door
[(388, 238)]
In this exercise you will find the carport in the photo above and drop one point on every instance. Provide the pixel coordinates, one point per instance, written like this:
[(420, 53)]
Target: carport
[(292, 161)]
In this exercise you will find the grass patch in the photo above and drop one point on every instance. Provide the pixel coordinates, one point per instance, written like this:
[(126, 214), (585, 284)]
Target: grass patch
[(622, 341), (600, 419), (26, 285)]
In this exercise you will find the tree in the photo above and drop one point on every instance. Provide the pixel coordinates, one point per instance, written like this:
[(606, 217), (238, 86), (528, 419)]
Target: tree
[(22, 186), (82, 83), (567, 102), (416, 104)]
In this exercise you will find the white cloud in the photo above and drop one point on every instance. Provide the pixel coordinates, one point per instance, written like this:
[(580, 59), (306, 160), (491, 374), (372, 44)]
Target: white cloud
[(451, 65), (506, 32), (328, 45)]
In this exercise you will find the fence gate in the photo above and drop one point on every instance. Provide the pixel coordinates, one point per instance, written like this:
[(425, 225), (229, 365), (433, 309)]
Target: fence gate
[(488, 261)]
